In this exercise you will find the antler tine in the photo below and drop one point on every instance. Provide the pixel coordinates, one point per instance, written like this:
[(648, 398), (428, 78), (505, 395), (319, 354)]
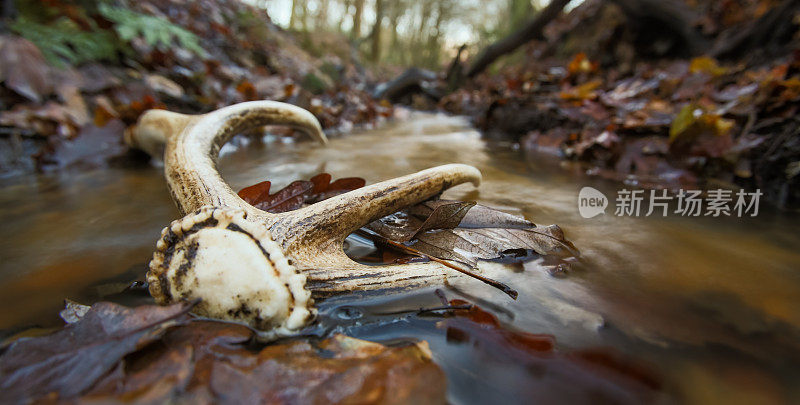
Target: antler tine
[(193, 142), (324, 225)]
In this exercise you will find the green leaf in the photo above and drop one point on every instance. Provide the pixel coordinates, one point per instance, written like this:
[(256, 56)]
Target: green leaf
[(63, 41), (156, 31)]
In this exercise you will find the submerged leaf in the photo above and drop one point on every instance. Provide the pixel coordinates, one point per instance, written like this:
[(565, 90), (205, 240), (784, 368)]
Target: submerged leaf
[(220, 362), (71, 360), (466, 232)]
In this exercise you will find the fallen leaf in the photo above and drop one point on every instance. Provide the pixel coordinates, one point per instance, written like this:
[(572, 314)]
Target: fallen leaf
[(298, 193), (247, 90), (164, 86), (585, 91), (24, 69), (104, 111), (591, 373), (68, 362), (705, 64), (209, 361), (466, 232), (581, 64), (73, 100), (73, 311), (700, 133), (288, 198), (324, 189)]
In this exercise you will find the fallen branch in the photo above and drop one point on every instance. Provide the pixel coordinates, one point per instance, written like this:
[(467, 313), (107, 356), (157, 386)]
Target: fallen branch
[(531, 30)]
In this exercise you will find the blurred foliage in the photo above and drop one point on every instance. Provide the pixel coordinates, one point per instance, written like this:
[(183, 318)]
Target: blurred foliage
[(63, 40), (423, 33), (156, 31), (67, 32)]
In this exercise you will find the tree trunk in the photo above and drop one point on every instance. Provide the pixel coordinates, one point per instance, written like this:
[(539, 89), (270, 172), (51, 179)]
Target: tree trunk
[(355, 33), (322, 16), (293, 15), (434, 35), (375, 55), (417, 39), (531, 30), (304, 19), (394, 16)]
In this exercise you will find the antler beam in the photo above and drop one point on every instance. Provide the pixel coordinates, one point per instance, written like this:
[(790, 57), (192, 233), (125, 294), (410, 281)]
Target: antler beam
[(261, 268)]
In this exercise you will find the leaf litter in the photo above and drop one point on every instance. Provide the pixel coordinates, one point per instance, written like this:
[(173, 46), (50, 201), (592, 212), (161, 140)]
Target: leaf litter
[(157, 354)]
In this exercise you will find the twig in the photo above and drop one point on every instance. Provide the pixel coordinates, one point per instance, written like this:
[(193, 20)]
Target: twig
[(421, 311), (494, 283)]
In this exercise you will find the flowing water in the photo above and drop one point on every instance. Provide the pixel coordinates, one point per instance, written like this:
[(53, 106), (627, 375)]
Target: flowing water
[(708, 309)]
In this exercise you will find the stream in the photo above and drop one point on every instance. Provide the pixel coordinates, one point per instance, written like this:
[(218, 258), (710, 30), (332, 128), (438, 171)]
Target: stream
[(708, 307)]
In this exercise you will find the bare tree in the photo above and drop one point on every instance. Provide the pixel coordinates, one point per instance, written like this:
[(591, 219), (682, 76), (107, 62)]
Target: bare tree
[(293, 15), (356, 31), (532, 29), (375, 36), (322, 15)]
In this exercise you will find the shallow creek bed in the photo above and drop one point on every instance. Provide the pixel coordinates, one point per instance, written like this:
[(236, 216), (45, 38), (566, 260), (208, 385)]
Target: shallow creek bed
[(685, 309)]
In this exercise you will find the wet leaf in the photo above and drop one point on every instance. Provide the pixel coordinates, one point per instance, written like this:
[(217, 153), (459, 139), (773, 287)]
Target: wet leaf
[(585, 91), (324, 189), (219, 362), (71, 360), (104, 111), (24, 69), (164, 86), (73, 311), (591, 373), (298, 192), (466, 232), (288, 198)]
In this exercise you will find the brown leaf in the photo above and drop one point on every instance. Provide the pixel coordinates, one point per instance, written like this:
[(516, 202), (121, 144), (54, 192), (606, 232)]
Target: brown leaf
[(207, 361), (591, 373), (24, 69), (467, 232), (73, 100), (297, 193), (71, 360), (255, 193), (339, 186), (45, 120), (470, 245), (288, 198)]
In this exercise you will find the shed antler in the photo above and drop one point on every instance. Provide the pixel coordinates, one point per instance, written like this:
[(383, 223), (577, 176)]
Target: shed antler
[(258, 267)]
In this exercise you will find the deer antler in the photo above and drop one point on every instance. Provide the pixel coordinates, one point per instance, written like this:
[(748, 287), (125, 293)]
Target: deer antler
[(258, 267)]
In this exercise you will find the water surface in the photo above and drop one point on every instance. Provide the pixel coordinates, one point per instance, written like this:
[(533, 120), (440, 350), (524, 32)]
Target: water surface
[(709, 306)]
